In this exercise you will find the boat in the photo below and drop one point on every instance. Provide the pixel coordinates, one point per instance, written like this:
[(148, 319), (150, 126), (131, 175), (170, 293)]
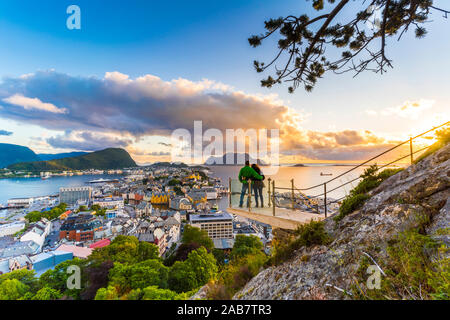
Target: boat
[(104, 181), (45, 176)]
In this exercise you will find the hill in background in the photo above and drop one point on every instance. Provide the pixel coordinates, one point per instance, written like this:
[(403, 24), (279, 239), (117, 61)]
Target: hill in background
[(54, 156), (111, 158), (12, 153)]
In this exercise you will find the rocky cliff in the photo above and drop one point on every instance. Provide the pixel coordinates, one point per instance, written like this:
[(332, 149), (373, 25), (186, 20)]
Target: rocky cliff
[(402, 202)]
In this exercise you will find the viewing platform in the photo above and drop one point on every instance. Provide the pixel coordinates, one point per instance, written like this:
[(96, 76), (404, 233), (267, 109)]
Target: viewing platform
[(284, 218), (285, 210)]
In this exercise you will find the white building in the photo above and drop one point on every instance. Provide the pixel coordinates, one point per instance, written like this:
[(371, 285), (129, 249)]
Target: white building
[(211, 193), (218, 225), (73, 195), (110, 202), (20, 202), (15, 263), (38, 233)]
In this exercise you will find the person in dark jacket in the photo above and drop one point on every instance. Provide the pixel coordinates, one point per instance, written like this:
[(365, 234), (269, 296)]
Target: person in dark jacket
[(258, 185), (246, 174)]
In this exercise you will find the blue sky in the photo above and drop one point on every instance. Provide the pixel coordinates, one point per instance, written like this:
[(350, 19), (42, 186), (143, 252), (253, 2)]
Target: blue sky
[(197, 40)]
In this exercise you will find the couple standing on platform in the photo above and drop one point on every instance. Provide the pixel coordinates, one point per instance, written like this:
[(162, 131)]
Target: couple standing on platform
[(255, 176)]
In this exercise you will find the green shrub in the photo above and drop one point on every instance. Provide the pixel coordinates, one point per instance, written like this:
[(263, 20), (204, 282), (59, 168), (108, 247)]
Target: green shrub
[(350, 204), (219, 291), (199, 268), (193, 234), (312, 234), (358, 195), (245, 245), (246, 260), (109, 293), (155, 293), (307, 235)]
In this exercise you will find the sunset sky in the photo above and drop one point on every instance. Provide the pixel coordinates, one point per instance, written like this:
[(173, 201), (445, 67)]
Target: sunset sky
[(136, 72)]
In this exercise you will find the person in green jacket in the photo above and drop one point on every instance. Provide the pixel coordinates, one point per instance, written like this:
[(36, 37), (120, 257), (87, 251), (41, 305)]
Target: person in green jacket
[(245, 174)]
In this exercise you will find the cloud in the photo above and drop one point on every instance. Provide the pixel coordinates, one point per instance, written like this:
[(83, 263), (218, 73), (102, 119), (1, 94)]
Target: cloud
[(142, 106), (409, 109), (336, 145), (32, 103), (371, 113), (165, 144), (320, 140), (88, 141), (356, 153), (5, 133)]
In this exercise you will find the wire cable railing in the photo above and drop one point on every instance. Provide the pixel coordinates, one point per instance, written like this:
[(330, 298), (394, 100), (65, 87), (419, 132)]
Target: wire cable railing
[(409, 155)]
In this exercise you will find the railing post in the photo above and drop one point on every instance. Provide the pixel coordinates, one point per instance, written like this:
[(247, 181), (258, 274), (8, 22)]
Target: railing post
[(411, 149), (249, 199), (268, 190), (325, 198), (273, 198), (292, 194), (229, 191)]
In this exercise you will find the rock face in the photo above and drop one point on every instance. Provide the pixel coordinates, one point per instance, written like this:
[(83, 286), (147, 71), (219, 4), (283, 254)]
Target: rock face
[(323, 272)]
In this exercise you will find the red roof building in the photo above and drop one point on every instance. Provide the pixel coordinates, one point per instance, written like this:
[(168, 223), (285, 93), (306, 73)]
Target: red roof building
[(100, 244)]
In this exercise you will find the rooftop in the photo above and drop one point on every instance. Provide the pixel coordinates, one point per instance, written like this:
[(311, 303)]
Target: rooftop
[(80, 252), (223, 243), (111, 199), (210, 217), (100, 244), (80, 222)]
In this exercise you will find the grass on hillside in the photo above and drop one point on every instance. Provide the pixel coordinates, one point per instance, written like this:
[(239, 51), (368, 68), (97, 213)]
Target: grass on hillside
[(306, 235), (371, 179)]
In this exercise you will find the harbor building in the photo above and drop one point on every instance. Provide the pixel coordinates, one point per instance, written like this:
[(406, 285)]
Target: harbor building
[(73, 195), (20, 202)]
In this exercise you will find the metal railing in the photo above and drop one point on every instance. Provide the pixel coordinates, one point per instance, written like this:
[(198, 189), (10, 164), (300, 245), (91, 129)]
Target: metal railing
[(311, 203)]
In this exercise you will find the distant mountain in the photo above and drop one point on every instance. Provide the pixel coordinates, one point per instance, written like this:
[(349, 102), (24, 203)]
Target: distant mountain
[(12, 153), (51, 156), (169, 164), (237, 159), (111, 158)]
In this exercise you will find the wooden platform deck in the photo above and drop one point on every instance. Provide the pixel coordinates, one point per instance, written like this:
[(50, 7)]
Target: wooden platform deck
[(284, 218)]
